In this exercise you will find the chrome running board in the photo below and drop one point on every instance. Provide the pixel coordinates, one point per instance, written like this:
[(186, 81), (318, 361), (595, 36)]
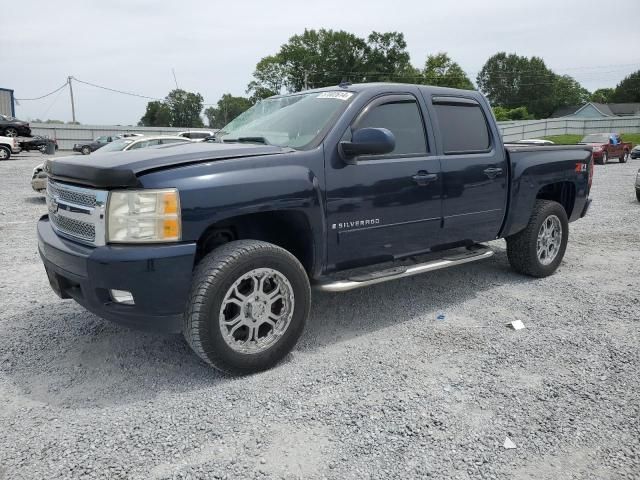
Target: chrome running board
[(447, 259)]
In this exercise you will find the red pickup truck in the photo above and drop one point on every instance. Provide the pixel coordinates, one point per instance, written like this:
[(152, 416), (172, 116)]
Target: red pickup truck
[(607, 146)]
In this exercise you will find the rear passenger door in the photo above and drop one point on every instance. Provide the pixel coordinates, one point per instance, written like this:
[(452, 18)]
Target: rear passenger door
[(474, 171)]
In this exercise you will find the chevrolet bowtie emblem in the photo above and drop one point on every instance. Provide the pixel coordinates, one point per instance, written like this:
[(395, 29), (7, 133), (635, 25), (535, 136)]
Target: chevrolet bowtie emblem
[(53, 205)]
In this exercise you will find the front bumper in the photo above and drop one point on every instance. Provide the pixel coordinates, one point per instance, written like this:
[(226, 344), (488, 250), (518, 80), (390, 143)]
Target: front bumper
[(39, 183), (158, 276)]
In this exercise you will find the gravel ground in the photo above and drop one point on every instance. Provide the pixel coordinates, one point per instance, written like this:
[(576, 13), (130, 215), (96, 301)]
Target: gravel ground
[(377, 387)]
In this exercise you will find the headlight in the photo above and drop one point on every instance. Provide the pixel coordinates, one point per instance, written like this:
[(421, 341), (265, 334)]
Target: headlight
[(144, 216)]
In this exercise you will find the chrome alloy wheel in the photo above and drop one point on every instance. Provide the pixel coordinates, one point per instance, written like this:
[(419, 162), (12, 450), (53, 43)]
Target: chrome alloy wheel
[(549, 239), (256, 310)]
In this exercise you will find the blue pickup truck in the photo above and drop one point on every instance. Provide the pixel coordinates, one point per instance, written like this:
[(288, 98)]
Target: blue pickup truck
[(335, 189)]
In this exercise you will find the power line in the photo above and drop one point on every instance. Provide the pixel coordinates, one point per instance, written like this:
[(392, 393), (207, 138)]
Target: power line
[(44, 96), (117, 91)]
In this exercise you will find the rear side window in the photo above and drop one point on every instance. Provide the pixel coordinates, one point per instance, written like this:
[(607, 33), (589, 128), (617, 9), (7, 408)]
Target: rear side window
[(403, 119), (463, 127)]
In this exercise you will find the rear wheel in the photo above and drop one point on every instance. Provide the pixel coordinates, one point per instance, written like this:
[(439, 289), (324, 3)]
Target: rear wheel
[(624, 157), (605, 158), (539, 248), (85, 150), (248, 306), (5, 153), (638, 195)]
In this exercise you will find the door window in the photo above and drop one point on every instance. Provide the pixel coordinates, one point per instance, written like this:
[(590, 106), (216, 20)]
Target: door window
[(403, 119), (463, 128)]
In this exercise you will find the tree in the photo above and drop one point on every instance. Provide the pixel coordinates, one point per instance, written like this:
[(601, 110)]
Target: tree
[(628, 90), (157, 115), (441, 71), (228, 108), (269, 77), (185, 108), (513, 81), (386, 58), (179, 109), (567, 91), (319, 58), (602, 95), (504, 114)]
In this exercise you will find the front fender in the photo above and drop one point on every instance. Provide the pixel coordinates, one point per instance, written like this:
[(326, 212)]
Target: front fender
[(213, 192)]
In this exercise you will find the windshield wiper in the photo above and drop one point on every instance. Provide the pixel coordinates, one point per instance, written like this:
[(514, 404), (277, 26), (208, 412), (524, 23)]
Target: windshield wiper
[(262, 140)]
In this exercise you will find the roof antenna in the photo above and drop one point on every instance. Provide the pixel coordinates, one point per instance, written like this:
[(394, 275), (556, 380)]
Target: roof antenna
[(344, 83)]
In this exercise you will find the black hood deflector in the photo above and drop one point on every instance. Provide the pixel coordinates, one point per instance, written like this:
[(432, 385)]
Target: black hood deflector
[(121, 169)]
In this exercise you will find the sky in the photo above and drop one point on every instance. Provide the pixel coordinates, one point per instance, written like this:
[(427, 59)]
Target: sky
[(214, 46)]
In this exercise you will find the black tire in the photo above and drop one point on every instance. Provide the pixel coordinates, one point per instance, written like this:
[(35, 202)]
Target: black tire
[(5, 153), (604, 159), (85, 150), (522, 247), (10, 132), (213, 278), (638, 195), (624, 157)]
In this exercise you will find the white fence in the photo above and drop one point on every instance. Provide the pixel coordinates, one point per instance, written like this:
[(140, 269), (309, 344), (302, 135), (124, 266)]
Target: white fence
[(67, 135), (512, 131)]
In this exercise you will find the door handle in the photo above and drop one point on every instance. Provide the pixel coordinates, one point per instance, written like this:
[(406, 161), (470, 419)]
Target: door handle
[(423, 178), (493, 172)]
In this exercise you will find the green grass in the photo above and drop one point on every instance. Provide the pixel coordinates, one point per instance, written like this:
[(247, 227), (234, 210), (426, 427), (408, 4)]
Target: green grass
[(634, 138)]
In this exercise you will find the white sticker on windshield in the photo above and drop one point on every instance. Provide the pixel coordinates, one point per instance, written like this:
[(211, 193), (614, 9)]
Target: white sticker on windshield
[(337, 95)]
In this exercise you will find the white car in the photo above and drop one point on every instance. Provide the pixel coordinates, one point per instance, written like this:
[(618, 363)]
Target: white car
[(196, 136), (134, 143), (39, 177), (8, 145), (535, 141)]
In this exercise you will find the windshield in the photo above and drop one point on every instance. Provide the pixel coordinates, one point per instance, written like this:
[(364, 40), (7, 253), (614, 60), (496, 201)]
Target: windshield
[(595, 138), (294, 121), (116, 146)]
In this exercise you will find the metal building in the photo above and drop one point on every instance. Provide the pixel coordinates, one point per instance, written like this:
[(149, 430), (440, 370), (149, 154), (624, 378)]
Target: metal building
[(7, 102)]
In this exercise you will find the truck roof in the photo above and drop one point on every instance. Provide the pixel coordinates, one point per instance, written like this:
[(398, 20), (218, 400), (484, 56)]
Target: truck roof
[(383, 87)]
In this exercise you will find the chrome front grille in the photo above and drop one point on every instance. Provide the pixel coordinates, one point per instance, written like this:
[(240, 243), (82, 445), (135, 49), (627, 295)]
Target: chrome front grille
[(87, 198), (76, 212), (76, 228)]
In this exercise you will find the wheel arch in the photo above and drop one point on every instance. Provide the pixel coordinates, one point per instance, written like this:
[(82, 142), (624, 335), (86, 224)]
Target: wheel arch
[(289, 229), (563, 193)]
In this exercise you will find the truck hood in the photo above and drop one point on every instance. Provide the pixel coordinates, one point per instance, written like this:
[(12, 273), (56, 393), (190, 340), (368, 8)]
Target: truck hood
[(121, 169)]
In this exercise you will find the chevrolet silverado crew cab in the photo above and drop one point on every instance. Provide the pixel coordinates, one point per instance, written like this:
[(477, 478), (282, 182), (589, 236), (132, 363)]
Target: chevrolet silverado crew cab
[(335, 188)]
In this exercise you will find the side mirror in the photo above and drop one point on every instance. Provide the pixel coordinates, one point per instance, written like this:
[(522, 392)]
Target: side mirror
[(367, 141)]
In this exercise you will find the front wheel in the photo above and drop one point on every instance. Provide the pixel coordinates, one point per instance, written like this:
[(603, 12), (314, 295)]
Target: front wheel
[(5, 153), (605, 158), (85, 150), (538, 249), (638, 195), (248, 306)]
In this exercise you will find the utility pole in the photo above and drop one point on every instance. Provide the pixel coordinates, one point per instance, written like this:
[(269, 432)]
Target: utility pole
[(73, 107)]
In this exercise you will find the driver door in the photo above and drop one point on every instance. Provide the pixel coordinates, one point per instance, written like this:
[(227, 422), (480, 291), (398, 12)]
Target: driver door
[(385, 206)]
